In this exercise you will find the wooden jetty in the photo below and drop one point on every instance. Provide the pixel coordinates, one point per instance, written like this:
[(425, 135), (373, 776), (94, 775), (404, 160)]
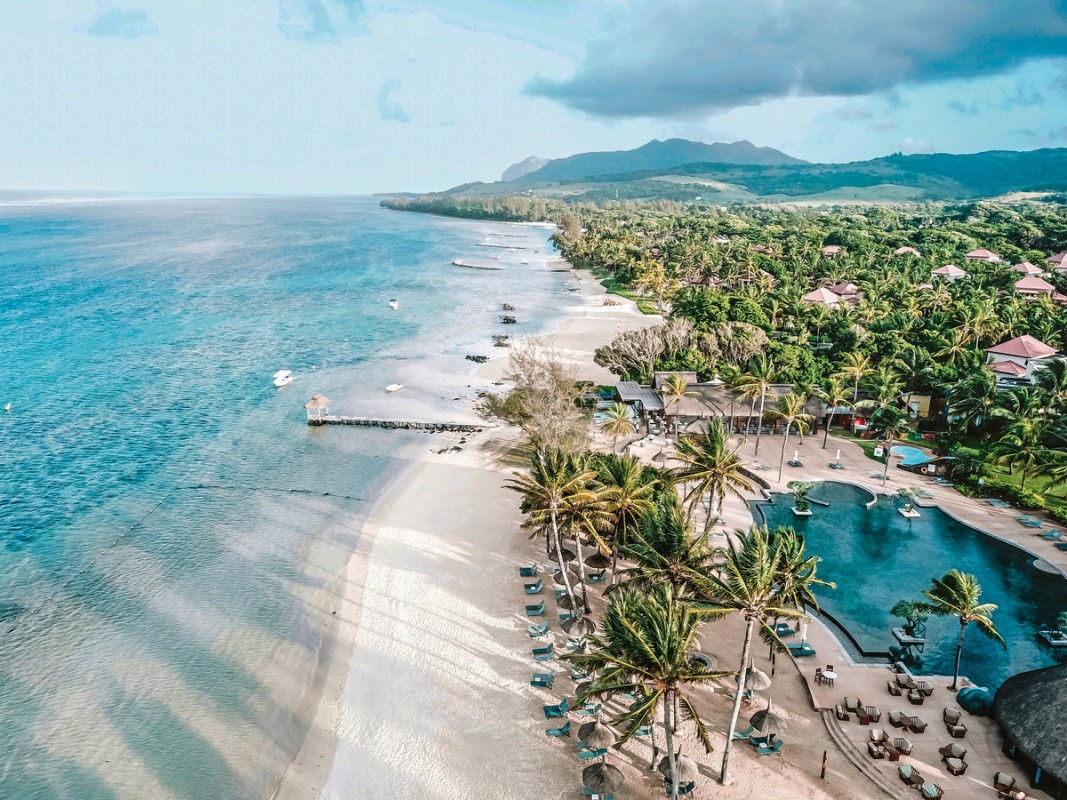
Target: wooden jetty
[(395, 424), (502, 246), (469, 265)]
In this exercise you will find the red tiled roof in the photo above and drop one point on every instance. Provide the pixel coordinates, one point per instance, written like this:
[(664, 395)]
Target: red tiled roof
[(1028, 268), (1058, 260), (831, 250), (900, 251), (1008, 368), (948, 269), (1034, 284), (1024, 346), (982, 254), (822, 295), (845, 288)]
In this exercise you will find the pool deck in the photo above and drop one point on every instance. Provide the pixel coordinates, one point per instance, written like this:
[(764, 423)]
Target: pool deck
[(868, 682)]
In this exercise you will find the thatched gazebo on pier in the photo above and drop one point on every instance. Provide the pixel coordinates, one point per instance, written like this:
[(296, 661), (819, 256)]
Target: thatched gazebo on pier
[(317, 407), (1031, 708)]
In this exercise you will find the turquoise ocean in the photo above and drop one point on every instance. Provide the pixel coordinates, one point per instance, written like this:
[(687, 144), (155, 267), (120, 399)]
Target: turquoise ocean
[(170, 527)]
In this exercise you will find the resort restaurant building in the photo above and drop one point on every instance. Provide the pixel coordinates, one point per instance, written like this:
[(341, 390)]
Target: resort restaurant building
[(1031, 708)]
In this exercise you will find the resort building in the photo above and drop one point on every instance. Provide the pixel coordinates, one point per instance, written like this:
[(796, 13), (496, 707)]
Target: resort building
[(832, 250), (766, 249), (1058, 262), (1017, 360), (847, 290), (1026, 268), (907, 251), (1032, 286), (948, 273), (983, 255), (1031, 708), (823, 297)]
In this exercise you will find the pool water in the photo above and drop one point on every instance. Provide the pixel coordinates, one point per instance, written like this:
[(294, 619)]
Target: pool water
[(876, 557), (911, 455)]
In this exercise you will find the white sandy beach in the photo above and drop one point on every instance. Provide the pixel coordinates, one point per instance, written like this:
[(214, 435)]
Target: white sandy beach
[(430, 695)]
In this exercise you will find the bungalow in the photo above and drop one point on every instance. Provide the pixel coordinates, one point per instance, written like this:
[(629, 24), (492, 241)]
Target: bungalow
[(983, 255), (766, 249), (907, 251), (1032, 286), (1026, 268), (949, 273), (847, 290), (720, 239), (823, 297), (1016, 360), (1058, 262), (832, 250)]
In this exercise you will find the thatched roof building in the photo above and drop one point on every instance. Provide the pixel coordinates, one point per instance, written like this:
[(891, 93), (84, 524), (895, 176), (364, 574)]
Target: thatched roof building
[(1031, 708)]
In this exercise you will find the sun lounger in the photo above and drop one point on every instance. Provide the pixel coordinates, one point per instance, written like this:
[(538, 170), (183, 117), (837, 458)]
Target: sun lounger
[(770, 750), (931, 791), (783, 630), (794, 463), (685, 788), (533, 588), (543, 653), (585, 755), (536, 610), (760, 741), (1061, 545), (579, 675), (577, 645), (564, 616), (835, 465), (801, 650), (565, 730), (537, 631), (558, 710), (595, 796), (530, 571), (543, 679), (599, 577), (560, 593), (923, 494), (1052, 536), (644, 730), (745, 734), (589, 711)]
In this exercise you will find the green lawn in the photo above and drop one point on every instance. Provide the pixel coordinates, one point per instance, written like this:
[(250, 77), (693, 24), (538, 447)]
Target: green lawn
[(645, 305)]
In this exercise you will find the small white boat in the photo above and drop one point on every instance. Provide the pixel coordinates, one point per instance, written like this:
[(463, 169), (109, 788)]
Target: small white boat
[(283, 377), (1052, 636), (394, 304), (393, 387)]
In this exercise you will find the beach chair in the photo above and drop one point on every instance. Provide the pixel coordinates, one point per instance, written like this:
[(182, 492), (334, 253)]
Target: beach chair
[(543, 679), (533, 588), (853, 704), (599, 577), (596, 796), (537, 631), (560, 593), (587, 754), (1061, 545), (530, 571), (579, 675), (683, 789), (761, 741), (770, 750), (878, 735), (842, 714), (565, 730), (906, 682), (783, 630), (745, 734), (1004, 784), (916, 725), (577, 645), (876, 750), (537, 610), (915, 697), (802, 650), (558, 710), (931, 791), (898, 719), (903, 744), (894, 690), (910, 775), (565, 616), (543, 653), (1052, 536), (952, 750), (588, 710), (644, 730)]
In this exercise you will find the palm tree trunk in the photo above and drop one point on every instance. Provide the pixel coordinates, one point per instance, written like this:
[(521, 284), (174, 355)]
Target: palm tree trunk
[(559, 556), (724, 776), (652, 735), (826, 435), (856, 389), (759, 422), (581, 573), (885, 472), (670, 745), (959, 654), (781, 461)]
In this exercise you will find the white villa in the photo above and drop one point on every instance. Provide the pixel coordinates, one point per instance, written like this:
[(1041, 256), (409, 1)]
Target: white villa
[(1016, 360), (823, 297), (1026, 268), (948, 273), (983, 255)]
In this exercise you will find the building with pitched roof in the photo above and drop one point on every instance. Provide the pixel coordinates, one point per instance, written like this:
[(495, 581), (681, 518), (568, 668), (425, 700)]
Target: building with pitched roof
[(1017, 360)]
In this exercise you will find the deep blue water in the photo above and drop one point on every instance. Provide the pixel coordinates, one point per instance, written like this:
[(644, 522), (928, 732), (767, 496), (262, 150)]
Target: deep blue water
[(876, 557), (169, 525)]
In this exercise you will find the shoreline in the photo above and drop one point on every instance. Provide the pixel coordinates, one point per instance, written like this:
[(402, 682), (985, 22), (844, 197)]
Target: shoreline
[(326, 759)]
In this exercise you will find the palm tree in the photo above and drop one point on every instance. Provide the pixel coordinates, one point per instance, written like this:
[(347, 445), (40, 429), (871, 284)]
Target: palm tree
[(756, 384), (752, 583), (664, 551), (855, 367), (617, 422), (836, 396), (644, 650), (956, 594), (1023, 447), (714, 469), (553, 481), (974, 398), (674, 389), (583, 512), (627, 495), (790, 412), (889, 423)]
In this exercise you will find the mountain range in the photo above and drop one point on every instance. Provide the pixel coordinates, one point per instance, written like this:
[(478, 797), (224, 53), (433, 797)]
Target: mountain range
[(722, 173)]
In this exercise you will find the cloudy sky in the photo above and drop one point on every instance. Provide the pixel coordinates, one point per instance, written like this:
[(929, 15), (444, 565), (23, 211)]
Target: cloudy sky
[(326, 96)]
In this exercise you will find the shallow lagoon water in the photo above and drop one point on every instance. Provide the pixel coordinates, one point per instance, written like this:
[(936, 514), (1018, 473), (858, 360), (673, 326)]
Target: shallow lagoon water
[(876, 557)]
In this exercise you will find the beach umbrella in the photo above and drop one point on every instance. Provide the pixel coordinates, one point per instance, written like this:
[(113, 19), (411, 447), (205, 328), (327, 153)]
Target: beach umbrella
[(579, 625), (768, 720), (598, 561), (757, 680), (568, 554), (565, 602), (572, 576), (684, 767), (597, 735), (603, 778)]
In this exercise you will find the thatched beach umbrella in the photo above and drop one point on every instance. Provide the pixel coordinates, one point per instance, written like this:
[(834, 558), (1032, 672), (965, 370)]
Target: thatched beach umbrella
[(684, 767), (768, 720), (579, 626), (757, 680), (568, 554), (572, 577), (603, 778), (565, 602), (318, 405), (597, 735), (598, 561)]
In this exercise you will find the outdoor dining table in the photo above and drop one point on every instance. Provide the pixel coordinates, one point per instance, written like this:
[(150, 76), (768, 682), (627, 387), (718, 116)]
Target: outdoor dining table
[(829, 676)]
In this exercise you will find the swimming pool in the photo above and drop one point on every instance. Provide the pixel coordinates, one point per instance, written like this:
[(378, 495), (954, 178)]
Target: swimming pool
[(911, 455), (876, 557)]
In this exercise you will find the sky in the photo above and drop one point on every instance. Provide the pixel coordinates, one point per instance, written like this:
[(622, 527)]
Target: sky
[(358, 96)]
